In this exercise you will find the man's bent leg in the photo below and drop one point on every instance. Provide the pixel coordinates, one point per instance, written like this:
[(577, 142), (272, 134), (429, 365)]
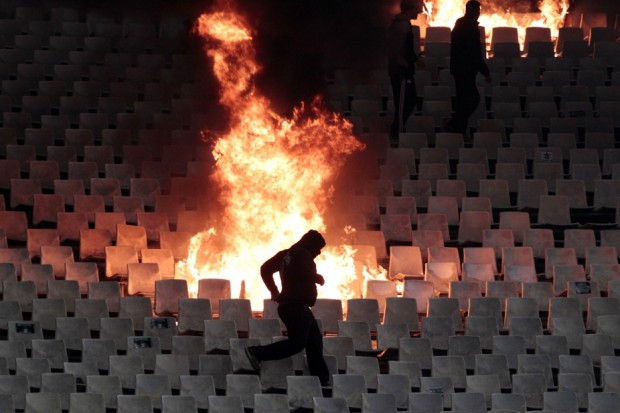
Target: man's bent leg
[(297, 325), (314, 353)]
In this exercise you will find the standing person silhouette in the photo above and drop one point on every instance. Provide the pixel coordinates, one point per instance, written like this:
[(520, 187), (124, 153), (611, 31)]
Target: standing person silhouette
[(299, 278), (401, 63), (466, 61)]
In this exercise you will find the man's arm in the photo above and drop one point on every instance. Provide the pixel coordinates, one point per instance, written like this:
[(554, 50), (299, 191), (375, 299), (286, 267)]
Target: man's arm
[(268, 269)]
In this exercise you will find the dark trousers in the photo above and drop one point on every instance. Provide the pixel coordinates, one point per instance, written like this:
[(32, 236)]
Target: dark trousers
[(404, 93), (303, 333), (467, 100)]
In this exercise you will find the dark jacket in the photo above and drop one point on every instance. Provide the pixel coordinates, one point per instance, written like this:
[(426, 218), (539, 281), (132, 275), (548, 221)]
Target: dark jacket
[(297, 271), (466, 58), (401, 54)]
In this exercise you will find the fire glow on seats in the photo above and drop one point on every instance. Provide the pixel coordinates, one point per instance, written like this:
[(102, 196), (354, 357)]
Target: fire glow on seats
[(273, 173), (500, 13)]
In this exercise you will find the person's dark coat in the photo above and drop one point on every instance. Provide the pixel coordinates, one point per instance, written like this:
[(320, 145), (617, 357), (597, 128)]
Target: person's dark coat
[(466, 57), (297, 271), (401, 54)]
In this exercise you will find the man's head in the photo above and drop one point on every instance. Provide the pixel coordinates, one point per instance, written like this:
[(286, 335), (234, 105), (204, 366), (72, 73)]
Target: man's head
[(472, 9), (312, 241), (411, 8)]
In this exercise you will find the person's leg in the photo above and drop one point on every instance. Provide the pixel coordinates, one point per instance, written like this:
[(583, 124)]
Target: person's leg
[(459, 120), (409, 101), (298, 326), (467, 100), (395, 82), (473, 99), (314, 352)]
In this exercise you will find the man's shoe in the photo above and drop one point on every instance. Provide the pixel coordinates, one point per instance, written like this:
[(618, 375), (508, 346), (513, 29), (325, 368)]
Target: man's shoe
[(249, 351)]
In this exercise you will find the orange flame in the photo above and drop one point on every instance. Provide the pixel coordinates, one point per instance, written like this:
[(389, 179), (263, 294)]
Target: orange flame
[(273, 173), (551, 15)]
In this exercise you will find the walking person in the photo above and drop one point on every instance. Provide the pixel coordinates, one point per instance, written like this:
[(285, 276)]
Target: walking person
[(466, 61), (401, 63), (298, 278)]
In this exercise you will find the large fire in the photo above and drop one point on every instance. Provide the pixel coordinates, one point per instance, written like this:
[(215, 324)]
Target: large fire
[(500, 14), (273, 174)]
